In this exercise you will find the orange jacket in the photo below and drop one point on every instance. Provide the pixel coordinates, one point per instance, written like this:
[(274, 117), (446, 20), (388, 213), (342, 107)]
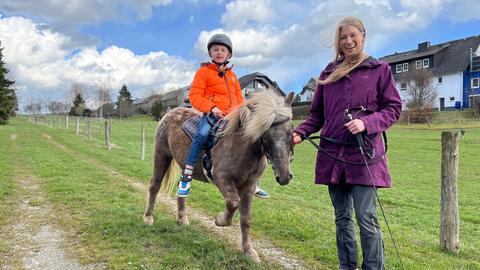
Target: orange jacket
[(209, 90)]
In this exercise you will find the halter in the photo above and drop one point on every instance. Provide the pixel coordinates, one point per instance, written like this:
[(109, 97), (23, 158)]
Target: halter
[(281, 120)]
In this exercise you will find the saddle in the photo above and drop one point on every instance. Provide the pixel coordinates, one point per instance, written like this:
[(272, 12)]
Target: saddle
[(190, 127)]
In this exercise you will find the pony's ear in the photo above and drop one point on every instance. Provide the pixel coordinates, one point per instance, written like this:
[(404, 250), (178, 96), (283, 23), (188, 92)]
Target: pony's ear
[(289, 99)]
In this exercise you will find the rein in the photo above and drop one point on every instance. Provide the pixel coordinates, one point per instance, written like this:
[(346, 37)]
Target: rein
[(316, 145)]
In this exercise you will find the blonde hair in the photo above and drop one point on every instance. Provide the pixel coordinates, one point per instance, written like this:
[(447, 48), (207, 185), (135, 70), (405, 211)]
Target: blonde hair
[(345, 67)]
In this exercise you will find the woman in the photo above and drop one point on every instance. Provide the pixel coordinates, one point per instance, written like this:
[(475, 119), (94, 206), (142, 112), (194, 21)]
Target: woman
[(355, 94)]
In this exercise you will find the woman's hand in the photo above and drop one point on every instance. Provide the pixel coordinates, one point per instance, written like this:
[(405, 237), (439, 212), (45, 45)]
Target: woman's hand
[(355, 126), (296, 138), (217, 112)]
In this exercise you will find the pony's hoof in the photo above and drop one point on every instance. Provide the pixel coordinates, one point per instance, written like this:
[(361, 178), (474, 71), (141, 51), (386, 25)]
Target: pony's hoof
[(220, 220), (253, 255), (148, 220), (183, 221)]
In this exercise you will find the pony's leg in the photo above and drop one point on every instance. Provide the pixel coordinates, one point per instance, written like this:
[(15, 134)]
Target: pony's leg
[(182, 212), (160, 167), (246, 195), (232, 200)]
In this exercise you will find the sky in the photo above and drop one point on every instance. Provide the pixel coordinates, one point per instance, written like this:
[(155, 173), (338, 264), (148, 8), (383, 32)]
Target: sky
[(157, 45)]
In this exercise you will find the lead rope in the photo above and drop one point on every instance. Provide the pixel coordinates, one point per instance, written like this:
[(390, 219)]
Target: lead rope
[(361, 145)]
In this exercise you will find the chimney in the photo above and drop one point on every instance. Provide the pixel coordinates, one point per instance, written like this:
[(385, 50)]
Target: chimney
[(423, 46)]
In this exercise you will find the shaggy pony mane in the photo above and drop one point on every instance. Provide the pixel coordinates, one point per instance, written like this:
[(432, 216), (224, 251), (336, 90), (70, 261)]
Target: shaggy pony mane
[(257, 114)]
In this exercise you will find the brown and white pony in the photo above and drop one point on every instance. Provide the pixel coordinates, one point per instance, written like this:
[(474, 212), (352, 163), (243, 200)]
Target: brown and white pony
[(259, 129)]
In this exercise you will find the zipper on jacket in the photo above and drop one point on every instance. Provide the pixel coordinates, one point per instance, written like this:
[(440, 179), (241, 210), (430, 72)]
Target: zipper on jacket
[(228, 90)]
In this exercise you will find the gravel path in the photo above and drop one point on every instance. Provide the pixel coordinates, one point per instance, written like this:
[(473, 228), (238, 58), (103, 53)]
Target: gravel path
[(231, 234)]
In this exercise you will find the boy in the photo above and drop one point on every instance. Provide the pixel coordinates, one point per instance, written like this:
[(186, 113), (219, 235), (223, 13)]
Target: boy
[(215, 91)]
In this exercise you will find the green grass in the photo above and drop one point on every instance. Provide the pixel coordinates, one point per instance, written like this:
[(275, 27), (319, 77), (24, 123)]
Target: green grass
[(6, 182), (104, 215), (298, 217)]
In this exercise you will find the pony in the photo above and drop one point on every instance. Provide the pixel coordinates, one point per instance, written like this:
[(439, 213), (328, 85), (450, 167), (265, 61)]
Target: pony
[(257, 131)]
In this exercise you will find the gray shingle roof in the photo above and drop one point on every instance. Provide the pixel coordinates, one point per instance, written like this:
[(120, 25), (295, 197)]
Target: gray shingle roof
[(449, 57), (245, 80)]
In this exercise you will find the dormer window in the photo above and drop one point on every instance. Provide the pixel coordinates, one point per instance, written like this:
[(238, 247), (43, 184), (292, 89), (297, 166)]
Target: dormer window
[(418, 64), (398, 68), (426, 63)]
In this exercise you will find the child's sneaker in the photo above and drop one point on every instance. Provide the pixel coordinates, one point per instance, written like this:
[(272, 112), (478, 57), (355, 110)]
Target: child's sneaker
[(261, 193), (184, 186)]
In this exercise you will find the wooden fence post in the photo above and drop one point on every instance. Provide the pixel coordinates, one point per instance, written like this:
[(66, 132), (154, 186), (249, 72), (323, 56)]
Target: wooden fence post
[(449, 217), (89, 130), (107, 136), (77, 126), (143, 144), (66, 121)]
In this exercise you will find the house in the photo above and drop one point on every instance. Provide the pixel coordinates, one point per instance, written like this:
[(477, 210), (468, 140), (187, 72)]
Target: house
[(306, 94), (171, 99), (257, 81), (249, 83), (454, 65)]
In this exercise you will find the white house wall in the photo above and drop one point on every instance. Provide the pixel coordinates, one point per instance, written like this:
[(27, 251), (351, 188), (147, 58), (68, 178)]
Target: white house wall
[(451, 86)]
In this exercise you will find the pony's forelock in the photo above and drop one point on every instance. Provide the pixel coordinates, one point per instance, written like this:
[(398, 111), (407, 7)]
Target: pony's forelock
[(256, 115)]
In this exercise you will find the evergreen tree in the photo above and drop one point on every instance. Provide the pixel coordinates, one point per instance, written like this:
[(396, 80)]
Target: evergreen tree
[(124, 95), (124, 102), (8, 98), (157, 109), (78, 106)]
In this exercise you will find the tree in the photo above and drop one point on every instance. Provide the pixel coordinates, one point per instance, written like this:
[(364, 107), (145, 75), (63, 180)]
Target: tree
[(103, 97), (157, 109), (8, 99), (124, 102), (421, 94), (78, 106), (55, 107)]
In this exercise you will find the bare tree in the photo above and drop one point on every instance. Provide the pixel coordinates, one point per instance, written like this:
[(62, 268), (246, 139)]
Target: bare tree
[(421, 94), (102, 93), (55, 107)]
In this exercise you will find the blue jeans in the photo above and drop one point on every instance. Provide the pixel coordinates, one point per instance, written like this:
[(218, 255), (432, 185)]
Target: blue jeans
[(345, 198), (206, 122)]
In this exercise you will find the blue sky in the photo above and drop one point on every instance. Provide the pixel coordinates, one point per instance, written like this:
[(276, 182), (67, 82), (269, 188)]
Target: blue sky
[(156, 45)]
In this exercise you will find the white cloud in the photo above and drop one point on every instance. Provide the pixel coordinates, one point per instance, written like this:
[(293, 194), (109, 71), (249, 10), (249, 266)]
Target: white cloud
[(41, 60), (65, 14), (284, 36), (240, 12)]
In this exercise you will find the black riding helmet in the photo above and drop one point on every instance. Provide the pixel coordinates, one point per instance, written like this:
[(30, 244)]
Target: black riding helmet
[(221, 39)]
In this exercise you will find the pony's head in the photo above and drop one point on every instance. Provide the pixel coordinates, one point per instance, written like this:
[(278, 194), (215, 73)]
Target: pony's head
[(266, 118)]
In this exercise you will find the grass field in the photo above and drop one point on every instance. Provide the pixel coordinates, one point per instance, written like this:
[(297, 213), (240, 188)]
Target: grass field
[(105, 213)]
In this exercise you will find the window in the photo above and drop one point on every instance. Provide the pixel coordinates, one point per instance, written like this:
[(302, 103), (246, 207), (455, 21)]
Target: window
[(403, 86), (452, 98), (475, 82), (399, 68), (440, 80), (418, 64), (426, 63), (405, 67)]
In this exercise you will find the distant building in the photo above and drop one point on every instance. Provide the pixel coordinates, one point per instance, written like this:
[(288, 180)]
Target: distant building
[(306, 95), (249, 83), (455, 67), (255, 82)]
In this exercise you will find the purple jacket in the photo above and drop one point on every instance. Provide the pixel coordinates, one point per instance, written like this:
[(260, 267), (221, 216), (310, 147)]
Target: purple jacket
[(370, 85)]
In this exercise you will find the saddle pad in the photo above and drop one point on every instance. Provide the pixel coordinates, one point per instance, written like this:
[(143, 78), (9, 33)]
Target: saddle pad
[(190, 127)]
